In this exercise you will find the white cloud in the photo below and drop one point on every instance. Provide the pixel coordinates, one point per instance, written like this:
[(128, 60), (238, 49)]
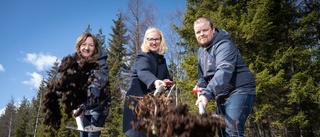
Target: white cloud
[(1, 68), (34, 81), (2, 111), (41, 61)]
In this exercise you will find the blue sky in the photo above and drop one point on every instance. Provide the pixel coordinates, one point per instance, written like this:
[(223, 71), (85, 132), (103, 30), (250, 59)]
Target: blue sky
[(34, 33)]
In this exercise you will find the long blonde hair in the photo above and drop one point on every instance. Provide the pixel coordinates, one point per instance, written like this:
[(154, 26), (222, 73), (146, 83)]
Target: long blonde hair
[(145, 45), (82, 38)]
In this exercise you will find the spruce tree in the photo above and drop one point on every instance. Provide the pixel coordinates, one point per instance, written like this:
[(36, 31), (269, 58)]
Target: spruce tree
[(23, 117), (7, 123), (116, 53), (52, 101), (37, 120)]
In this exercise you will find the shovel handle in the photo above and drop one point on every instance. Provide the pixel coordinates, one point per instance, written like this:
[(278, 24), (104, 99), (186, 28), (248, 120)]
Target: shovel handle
[(201, 108)]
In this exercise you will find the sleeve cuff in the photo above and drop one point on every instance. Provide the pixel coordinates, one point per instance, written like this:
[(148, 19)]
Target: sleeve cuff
[(206, 94), (201, 85), (151, 85)]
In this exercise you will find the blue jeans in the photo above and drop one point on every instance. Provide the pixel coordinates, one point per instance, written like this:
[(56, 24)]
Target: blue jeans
[(97, 120), (236, 110), (135, 133)]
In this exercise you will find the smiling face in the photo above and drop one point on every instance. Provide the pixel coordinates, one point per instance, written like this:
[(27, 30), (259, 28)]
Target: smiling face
[(203, 32), (154, 40), (87, 48)]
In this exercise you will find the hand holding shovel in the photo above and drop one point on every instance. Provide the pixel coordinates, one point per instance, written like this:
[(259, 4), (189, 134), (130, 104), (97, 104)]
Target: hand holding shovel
[(200, 105)]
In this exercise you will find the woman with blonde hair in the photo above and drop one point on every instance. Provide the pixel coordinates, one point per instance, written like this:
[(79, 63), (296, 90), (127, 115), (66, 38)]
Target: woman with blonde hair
[(160, 42), (148, 72)]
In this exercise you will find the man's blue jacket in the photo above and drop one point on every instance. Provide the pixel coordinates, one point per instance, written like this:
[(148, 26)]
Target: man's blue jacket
[(222, 70)]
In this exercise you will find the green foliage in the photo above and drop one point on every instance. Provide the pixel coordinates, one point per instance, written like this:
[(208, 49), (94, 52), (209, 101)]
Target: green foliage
[(101, 39), (66, 120), (113, 126), (49, 131), (41, 131), (186, 85), (21, 131), (24, 116)]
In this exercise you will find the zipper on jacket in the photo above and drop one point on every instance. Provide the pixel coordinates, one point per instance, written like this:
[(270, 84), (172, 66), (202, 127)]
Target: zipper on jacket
[(204, 63)]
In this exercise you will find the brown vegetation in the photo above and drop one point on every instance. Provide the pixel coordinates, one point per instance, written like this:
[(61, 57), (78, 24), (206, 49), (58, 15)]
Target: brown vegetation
[(69, 87), (159, 116)]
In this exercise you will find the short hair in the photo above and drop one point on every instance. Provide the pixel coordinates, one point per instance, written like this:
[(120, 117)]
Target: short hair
[(145, 45), (82, 38), (201, 19)]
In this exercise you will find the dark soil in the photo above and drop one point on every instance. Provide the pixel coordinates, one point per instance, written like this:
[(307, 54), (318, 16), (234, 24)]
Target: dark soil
[(158, 116), (68, 88)]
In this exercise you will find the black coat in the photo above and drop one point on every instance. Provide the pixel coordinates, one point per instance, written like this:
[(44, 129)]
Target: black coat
[(147, 68), (97, 98)]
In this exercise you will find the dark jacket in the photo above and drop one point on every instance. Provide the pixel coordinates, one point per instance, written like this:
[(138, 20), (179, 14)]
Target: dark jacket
[(147, 68), (222, 70), (98, 94)]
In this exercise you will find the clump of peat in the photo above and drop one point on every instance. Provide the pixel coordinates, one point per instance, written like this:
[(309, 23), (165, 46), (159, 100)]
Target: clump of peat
[(68, 86), (158, 116)]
